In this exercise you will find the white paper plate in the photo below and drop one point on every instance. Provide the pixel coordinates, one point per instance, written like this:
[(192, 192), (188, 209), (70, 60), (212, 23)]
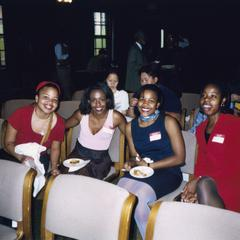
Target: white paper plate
[(73, 162), (141, 172)]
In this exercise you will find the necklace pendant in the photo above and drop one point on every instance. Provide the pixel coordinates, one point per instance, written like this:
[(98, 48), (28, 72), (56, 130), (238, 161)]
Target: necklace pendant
[(42, 133)]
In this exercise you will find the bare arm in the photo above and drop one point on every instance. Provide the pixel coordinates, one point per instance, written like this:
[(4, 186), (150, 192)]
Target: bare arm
[(10, 143), (133, 152), (119, 121), (54, 156), (130, 110), (175, 115), (74, 120)]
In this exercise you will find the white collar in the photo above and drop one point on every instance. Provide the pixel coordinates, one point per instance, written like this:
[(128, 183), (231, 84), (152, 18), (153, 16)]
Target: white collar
[(139, 45)]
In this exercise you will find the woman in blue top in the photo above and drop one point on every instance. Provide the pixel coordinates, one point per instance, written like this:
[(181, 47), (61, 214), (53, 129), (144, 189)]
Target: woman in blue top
[(158, 137)]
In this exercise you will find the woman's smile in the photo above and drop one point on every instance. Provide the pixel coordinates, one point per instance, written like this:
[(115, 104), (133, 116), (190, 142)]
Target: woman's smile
[(147, 103), (98, 101)]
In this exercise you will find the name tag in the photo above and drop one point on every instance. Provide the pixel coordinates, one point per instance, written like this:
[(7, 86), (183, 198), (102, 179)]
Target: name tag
[(108, 130), (154, 136), (218, 138)]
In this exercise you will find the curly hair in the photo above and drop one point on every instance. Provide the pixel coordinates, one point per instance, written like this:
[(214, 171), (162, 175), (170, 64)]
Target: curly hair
[(85, 106)]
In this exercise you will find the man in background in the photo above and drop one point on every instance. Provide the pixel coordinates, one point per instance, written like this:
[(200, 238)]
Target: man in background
[(63, 68), (136, 59)]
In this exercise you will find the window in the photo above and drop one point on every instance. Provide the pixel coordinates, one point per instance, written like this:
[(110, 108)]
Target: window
[(2, 46), (100, 31)]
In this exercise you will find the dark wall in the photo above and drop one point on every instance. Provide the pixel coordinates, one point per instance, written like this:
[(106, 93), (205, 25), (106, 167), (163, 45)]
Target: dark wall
[(32, 29), (211, 29)]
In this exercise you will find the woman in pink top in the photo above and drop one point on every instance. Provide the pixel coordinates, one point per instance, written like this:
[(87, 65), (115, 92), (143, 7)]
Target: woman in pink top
[(97, 121)]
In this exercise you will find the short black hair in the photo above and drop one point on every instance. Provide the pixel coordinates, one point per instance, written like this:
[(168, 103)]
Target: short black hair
[(224, 92), (152, 69), (112, 71), (85, 107), (221, 86), (139, 35), (150, 87)]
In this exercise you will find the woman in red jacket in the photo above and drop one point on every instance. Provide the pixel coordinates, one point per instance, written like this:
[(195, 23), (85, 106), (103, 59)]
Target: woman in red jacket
[(217, 171)]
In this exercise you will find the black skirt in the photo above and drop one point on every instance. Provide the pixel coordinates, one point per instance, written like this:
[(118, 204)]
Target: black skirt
[(100, 163)]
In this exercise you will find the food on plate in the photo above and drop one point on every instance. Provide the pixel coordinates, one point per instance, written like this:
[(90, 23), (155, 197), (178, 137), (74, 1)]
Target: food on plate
[(74, 161), (138, 173)]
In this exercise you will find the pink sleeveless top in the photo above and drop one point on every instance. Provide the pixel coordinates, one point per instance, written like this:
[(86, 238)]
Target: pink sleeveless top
[(99, 141)]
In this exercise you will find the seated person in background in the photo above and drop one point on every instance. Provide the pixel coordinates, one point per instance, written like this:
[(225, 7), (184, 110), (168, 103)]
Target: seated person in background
[(235, 98), (149, 74), (100, 62), (37, 123), (217, 177), (97, 121), (200, 117), (158, 137), (121, 102)]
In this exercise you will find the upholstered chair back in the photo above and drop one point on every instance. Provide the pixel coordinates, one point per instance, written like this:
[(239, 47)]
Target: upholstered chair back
[(16, 182), (81, 207), (188, 221)]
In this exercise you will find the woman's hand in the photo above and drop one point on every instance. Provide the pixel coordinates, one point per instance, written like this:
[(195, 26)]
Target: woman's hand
[(134, 161), (55, 172), (24, 158), (189, 192), (129, 164), (133, 102)]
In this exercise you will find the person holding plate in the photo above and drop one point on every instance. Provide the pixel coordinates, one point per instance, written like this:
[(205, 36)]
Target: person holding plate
[(97, 121), (157, 137)]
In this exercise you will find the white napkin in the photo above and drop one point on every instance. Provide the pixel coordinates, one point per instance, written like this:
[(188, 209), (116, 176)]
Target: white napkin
[(146, 159), (33, 150), (73, 169)]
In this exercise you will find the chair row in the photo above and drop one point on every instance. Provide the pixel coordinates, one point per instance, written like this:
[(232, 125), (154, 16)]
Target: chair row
[(189, 101), (66, 108), (93, 210), (99, 210)]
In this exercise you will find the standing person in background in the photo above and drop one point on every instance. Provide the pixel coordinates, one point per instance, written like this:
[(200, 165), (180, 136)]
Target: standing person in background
[(121, 101), (63, 68), (136, 59)]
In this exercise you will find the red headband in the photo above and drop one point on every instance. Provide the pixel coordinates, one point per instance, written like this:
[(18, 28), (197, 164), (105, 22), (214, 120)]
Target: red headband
[(44, 83)]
